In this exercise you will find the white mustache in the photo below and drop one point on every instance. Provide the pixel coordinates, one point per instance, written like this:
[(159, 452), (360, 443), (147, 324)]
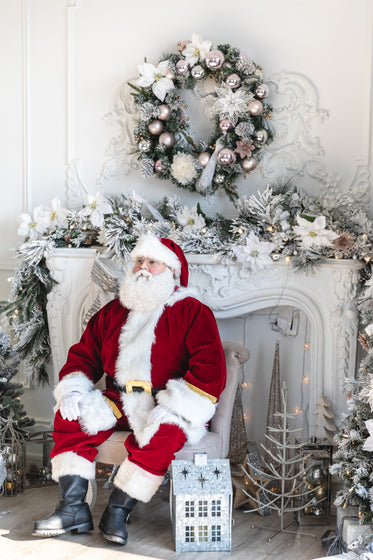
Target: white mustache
[(142, 274)]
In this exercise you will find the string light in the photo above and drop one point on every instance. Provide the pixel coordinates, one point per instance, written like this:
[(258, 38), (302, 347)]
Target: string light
[(297, 410), (287, 258), (306, 345), (306, 380)]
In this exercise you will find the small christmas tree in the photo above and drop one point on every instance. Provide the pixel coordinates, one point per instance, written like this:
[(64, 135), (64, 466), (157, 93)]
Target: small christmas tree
[(325, 426), (10, 392)]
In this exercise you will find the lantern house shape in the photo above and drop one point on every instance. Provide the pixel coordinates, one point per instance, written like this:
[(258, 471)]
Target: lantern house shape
[(201, 506)]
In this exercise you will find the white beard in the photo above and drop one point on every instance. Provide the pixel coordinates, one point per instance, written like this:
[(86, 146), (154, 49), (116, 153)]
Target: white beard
[(143, 291)]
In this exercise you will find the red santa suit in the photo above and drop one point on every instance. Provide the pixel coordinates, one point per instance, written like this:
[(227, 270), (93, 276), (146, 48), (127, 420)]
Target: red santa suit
[(173, 351)]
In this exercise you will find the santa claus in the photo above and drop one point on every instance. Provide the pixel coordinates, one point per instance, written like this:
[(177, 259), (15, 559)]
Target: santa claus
[(165, 370)]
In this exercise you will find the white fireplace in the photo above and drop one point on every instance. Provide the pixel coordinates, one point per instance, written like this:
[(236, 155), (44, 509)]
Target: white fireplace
[(325, 298)]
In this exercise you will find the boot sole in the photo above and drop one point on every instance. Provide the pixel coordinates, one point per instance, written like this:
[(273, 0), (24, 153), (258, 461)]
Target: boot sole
[(75, 529), (114, 538)]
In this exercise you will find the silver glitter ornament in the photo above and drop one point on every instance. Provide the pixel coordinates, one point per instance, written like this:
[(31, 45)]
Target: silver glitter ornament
[(214, 60), (219, 178), (198, 72), (155, 127), (167, 139), (158, 166), (145, 146)]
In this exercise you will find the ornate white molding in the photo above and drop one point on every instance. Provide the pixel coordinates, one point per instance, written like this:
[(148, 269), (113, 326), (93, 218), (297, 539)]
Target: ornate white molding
[(26, 113)]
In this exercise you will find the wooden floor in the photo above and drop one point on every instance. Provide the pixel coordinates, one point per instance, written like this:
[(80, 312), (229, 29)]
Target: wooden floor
[(150, 534)]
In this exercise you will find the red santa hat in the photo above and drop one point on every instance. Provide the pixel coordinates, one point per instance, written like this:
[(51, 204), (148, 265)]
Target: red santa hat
[(164, 250)]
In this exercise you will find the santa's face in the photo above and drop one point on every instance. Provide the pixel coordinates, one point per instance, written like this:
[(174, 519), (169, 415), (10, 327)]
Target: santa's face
[(146, 286)]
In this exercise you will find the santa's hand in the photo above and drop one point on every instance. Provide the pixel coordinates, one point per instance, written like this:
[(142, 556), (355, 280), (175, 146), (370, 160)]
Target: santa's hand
[(69, 405), (159, 415)]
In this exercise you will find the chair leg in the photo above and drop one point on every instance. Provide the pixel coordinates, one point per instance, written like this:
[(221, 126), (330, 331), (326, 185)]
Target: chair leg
[(109, 482)]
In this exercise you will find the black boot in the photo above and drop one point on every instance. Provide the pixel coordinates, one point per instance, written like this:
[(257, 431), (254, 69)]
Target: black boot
[(114, 519), (72, 513)]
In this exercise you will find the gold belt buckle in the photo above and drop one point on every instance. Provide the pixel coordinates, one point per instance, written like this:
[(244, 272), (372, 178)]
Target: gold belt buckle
[(146, 385)]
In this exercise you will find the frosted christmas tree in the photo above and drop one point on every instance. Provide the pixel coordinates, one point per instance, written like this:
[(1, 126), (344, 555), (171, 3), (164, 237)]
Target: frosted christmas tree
[(353, 460), (324, 425)]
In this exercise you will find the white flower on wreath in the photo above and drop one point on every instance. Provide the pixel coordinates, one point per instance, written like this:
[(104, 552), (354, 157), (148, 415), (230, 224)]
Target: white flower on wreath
[(154, 76), (190, 219), (255, 254), (196, 49), (231, 103), (314, 234), (58, 214), (95, 209), (33, 227), (183, 169)]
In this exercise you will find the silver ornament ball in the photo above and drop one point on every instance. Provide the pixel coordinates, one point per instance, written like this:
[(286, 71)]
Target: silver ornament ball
[(219, 178), (155, 127), (145, 146), (198, 72), (164, 112), (249, 164), (262, 91), (204, 158), (261, 136), (167, 139), (242, 57), (225, 125), (169, 74), (226, 157), (182, 67), (214, 60), (233, 81), (158, 166), (255, 107)]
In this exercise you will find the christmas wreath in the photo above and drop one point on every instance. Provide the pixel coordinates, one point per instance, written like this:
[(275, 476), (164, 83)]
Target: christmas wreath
[(237, 105)]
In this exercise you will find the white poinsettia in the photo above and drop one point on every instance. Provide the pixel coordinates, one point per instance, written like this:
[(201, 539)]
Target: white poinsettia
[(183, 168), (196, 49), (231, 103), (155, 76), (255, 254), (33, 227), (58, 214), (190, 219), (95, 209), (314, 234)]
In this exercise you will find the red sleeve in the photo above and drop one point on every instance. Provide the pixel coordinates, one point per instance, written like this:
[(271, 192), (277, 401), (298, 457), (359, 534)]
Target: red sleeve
[(207, 369)]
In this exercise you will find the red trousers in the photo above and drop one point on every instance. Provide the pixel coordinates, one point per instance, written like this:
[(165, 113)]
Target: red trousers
[(155, 457)]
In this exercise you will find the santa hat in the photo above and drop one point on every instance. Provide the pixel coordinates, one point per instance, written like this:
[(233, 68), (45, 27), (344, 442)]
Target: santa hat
[(164, 250)]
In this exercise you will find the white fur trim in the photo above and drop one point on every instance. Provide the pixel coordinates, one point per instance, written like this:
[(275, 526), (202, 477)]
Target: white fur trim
[(76, 381), (180, 399), (135, 342), (70, 463), (137, 482), (95, 413), (182, 293), (193, 433), (137, 407), (150, 247)]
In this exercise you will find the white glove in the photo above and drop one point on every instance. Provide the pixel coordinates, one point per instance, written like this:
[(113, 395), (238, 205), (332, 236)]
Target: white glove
[(159, 415), (69, 405)]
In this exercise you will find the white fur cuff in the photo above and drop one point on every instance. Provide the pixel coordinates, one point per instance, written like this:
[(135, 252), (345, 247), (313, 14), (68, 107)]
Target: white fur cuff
[(70, 463), (95, 413), (137, 482), (72, 382), (180, 399)]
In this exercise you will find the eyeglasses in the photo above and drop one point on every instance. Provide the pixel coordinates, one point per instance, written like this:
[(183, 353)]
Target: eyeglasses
[(151, 264)]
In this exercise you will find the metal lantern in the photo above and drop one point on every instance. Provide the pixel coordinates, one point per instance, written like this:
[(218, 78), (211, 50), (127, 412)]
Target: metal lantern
[(12, 448)]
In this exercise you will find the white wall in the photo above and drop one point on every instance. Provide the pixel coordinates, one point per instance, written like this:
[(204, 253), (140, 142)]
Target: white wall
[(63, 62)]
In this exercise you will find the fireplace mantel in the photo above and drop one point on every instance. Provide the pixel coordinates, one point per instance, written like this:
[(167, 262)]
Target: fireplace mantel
[(326, 297)]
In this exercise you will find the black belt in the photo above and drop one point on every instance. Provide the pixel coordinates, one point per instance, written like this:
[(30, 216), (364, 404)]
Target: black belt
[(135, 386)]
